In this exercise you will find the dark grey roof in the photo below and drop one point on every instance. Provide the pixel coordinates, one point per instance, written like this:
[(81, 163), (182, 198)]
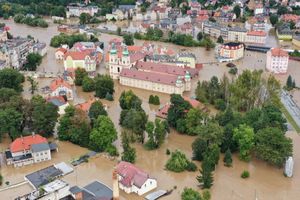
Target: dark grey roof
[(8, 154), (99, 190), (22, 157), (53, 146), (56, 102), (43, 176), (75, 189), (40, 147)]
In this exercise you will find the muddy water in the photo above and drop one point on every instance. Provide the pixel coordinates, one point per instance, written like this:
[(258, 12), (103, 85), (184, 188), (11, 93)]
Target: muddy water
[(267, 181)]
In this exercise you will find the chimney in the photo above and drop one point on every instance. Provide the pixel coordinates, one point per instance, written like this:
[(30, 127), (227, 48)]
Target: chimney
[(116, 195), (33, 134)]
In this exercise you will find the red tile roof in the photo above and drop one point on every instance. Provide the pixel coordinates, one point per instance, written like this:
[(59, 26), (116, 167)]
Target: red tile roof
[(149, 76), (131, 174), (63, 50), (137, 56), (257, 33), (24, 143), (279, 52), (134, 48), (59, 82), (160, 68), (79, 55), (86, 105), (290, 17)]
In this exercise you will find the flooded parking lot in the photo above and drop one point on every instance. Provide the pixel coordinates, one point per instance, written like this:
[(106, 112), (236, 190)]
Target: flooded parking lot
[(266, 181)]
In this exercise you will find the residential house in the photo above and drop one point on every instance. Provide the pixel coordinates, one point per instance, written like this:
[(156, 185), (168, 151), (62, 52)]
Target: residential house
[(60, 102), (28, 150), (237, 34), (277, 61), (134, 180), (259, 9), (230, 51), (60, 53), (183, 20), (284, 32), (76, 9), (256, 37), (60, 87), (40, 48), (188, 58)]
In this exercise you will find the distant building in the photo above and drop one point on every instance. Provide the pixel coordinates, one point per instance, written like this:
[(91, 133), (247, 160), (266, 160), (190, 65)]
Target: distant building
[(257, 37), (76, 9), (28, 149), (134, 180), (188, 58), (231, 51), (60, 53), (40, 48), (277, 61), (284, 32), (60, 87)]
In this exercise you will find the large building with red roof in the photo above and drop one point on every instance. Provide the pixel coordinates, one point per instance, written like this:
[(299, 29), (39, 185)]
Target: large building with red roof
[(134, 180), (277, 61), (29, 149)]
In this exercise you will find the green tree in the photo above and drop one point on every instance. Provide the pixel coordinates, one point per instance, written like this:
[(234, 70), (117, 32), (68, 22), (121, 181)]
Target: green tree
[(220, 40), (206, 195), (237, 11), (128, 100), (119, 30), (228, 158), (212, 133), (104, 85), (273, 19), (129, 153), (44, 116), (10, 78), (80, 73), (103, 134), (244, 135), (273, 146), (128, 39), (33, 84), (33, 60), (10, 122), (84, 18), (195, 119), (199, 147), (289, 83), (178, 162), (205, 178), (88, 84), (156, 133), (96, 110), (199, 36), (190, 194)]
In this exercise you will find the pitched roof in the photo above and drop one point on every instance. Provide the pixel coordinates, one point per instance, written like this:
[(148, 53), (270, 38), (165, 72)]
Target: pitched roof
[(40, 147), (131, 174), (257, 33), (63, 50), (279, 52), (85, 106), (79, 55), (149, 76), (160, 68), (56, 100), (59, 82), (24, 143)]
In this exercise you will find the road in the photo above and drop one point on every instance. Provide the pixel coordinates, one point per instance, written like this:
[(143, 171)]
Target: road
[(291, 106)]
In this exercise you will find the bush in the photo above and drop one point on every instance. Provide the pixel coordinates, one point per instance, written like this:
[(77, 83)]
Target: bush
[(154, 99), (112, 150), (109, 97), (220, 104), (168, 152), (233, 71), (245, 174), (178, 162)]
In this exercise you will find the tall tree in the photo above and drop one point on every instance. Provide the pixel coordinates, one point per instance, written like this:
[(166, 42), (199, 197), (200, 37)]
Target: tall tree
[(156, 133), (104, 85), (273, 146), (244, 135), (128, 39), (273, 19), (237, 11), (10, 78), (205, 178), (289, 83), (129, 153), (128, 100), (33, 84), (195, 119), (227, 158), (103, 134), (96, 110), (80, 73)]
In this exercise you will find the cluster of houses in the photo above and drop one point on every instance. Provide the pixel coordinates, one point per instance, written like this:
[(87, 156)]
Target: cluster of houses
[(14, 51), (47, 184), (151, 68), (86, 55)]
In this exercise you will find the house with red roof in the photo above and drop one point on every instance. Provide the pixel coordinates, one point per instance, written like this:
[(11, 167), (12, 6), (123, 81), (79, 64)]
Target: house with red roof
[(60, 87), (256, 37), (60, 53), (29, 149), (277, 61), (134, 180)]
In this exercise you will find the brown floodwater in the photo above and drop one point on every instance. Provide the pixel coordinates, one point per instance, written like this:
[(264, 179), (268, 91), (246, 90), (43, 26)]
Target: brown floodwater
[(266, 181)]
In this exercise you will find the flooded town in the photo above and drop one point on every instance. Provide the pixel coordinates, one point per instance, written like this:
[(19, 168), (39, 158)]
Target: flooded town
[(50, 163)]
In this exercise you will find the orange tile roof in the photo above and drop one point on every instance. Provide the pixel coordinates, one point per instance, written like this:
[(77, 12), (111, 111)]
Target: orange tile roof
[(78, 55), (62, 50), (86, 105), (134, 48), (59, 82), (279, 52), (257, 33), (24, 143)]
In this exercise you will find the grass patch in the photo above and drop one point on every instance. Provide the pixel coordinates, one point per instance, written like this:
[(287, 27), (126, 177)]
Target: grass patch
[(290, 118)]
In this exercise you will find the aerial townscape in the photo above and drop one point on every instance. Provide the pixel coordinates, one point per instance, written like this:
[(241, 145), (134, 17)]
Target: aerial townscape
[(149, 99)]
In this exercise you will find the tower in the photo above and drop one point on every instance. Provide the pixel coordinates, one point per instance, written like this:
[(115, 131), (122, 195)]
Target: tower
[(187, 78), (125, 57), (115, 185)]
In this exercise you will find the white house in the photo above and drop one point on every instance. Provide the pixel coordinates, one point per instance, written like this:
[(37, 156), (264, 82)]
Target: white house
[(132, 179), (277, 61), (60, 87)]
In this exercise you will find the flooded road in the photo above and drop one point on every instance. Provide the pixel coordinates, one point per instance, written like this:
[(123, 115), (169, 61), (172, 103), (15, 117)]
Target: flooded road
[(268, 182)]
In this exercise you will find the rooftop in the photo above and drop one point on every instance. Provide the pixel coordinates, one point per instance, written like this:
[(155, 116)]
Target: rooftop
[(25, 143), (40, 147), (54, 186), (279, 52), (59, 82)]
